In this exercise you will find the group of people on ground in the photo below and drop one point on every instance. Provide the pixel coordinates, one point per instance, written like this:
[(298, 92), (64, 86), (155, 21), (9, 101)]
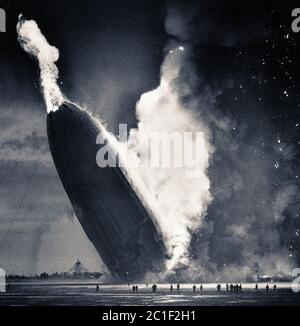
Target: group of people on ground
[(177, 287), (232, 288), (267, 287)]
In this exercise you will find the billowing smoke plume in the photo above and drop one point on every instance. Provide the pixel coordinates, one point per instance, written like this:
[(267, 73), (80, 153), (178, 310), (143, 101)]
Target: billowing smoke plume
[(34, 42), (251, 223), (182, 200)]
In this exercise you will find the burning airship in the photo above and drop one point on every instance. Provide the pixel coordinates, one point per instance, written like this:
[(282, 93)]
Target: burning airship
[(114, 216), (114, 212)]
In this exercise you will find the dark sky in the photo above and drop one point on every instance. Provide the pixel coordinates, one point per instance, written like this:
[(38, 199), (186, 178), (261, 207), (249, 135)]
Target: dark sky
[(243, 71), (111, 53)]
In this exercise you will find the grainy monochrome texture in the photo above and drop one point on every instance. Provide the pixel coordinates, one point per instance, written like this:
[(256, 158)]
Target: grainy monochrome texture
[(216, 78)]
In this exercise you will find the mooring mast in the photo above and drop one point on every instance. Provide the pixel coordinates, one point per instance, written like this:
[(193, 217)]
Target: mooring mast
[(78, 270)]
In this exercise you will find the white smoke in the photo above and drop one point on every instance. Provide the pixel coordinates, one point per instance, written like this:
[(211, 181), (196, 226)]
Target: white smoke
[(249, 223), (283, 199), (182, 200), (33, 42)]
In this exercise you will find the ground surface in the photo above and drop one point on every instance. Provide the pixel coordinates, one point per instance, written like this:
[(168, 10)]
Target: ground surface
[(58, 294)]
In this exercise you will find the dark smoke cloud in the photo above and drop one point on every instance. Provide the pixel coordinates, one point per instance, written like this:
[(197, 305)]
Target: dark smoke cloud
[(253, 218)]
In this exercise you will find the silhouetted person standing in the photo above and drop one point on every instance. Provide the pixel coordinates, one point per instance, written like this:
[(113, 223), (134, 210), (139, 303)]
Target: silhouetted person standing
[(227, 287), (178, 287), (194, 288), (219, 287), (154, 287), (201, 287), (256, 287), (240, 287), (133, 289), (97, 288), (171, 288), (236, 288), (267, 287), (274, 287), (231, 287)]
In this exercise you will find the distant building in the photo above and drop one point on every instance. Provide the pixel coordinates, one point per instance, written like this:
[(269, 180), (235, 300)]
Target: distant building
[(79, 271)]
